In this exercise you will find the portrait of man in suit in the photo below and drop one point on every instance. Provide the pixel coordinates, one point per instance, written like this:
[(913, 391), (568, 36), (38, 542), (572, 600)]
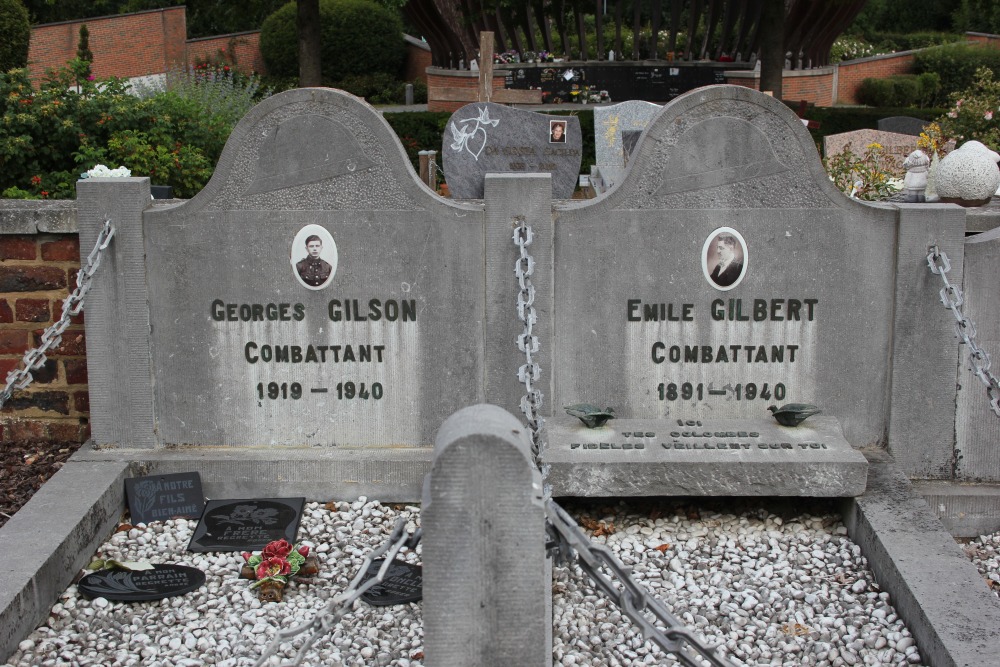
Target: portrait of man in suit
[(724, 259)]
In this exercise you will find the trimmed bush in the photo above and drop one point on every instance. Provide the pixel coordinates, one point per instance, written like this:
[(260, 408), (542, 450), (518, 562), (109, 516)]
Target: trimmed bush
[(903, 90), (16, 30), (956, 65), (358, 37)]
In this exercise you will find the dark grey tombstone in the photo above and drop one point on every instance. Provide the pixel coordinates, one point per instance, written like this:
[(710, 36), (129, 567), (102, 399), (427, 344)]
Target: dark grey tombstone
[(163, 581), (487, 138), (485, 576), (246, 525), (162, 497), (902, 125)]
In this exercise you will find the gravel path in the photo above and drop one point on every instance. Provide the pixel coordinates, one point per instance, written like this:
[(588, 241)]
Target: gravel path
[(778, 584)]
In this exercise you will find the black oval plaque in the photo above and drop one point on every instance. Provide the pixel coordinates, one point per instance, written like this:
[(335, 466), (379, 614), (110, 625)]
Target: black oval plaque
[(403, 583), (163, 581)]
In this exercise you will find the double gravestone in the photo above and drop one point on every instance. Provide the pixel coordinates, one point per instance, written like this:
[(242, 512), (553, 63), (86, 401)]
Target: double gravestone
[(305, 324)]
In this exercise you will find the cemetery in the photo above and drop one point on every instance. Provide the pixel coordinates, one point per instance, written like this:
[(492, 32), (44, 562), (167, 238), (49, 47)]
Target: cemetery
[(746, 386)]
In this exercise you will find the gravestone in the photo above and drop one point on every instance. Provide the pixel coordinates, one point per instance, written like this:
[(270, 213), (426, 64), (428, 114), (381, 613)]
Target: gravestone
[(612, 124), (163, 581), (485, 576), (611, 121), (902, 125), (246, 525), (403, 583), (730, 294), (164, 497), (897, 146), (484, 138)]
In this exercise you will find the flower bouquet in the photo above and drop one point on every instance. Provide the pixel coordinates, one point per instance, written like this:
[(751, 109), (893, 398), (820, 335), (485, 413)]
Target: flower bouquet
[(275, 565)]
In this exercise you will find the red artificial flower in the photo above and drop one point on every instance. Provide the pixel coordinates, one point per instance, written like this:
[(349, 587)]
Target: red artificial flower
[(277, 549), (273, 567), (246, 555), (303, 550)]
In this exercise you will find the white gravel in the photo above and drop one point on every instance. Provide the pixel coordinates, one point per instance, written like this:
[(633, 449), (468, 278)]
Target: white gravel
[(985, 554), (775, 586)]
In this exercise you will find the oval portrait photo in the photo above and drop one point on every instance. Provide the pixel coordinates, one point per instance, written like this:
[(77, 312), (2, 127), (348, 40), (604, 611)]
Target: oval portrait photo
[(314, 257), (724, 258)]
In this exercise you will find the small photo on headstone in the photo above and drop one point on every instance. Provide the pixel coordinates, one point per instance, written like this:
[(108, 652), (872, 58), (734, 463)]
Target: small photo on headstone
[(246, 525), (314, 257), (162, 497), (557, 131), (724, 258)]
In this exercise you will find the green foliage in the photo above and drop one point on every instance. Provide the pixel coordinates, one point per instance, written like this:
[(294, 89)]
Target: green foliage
[(867, 176), (50, 135), (902, 90), (956, 64), (975, 112), (16, 30), (357, 36), (382, 88), (905, 16), (419, 131), (977, 16)]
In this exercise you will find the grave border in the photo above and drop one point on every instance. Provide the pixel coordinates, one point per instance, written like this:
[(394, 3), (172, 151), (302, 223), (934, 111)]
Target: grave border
[(930, 581)]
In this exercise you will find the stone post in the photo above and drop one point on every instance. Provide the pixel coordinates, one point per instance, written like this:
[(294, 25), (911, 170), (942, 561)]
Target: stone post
[(486, 583), (117, 313)]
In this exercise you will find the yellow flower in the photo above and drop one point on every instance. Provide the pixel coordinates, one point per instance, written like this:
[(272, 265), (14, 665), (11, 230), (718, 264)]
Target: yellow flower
[(874, 146)]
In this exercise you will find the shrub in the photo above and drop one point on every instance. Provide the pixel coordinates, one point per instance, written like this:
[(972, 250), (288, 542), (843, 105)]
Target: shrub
[(357, 36), (903, 90), (956, 65), (975, 113), (49, 136), (16, 30), (867, 176)]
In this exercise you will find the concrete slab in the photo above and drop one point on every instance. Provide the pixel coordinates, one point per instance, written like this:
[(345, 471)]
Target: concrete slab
[(966, 510), (717, 457), (935, 588), (51, 538)]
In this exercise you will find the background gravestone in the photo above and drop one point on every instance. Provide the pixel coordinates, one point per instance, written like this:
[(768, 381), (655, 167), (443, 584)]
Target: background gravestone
[(611, 121), (897, 146), (902, 125), (484, 138)]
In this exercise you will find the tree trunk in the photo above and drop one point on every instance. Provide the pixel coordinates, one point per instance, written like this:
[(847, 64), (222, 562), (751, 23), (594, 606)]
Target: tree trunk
[(310, 59), (772, 46)]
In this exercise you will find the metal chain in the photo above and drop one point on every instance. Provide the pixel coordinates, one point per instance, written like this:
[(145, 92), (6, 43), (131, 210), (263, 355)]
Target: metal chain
[(566, 538), (326, 620), (951, 297), (72, 305), (527, 342)]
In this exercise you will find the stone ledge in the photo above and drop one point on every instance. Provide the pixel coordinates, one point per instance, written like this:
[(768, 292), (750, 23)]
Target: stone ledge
[(767, 460)]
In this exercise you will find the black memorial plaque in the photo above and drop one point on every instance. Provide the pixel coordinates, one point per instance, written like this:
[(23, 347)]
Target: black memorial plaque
[(623, 81), (403, 583), (246, 525), (163, 581), (162, 497)]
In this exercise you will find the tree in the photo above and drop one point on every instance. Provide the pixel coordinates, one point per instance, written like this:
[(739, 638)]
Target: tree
[(83, 53), (310, 44), (16, 30), (772, 46)]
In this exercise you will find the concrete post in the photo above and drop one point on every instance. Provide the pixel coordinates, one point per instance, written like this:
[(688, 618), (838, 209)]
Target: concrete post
[(486, 584)]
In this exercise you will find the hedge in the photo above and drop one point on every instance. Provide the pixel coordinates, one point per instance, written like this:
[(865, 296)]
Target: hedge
[(956, 64)]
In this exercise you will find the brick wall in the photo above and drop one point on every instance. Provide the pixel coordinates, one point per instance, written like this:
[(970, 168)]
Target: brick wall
[(128, 45), (814, 86), (36, 274), (418, 59), (242, 50), (465, 80), (852, 73)]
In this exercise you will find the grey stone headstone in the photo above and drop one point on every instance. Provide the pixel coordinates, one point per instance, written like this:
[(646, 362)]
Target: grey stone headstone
[(611, 121), (486, 138), (902, 125), (485, 584), (249, 348), (897, 146), (664, 341)]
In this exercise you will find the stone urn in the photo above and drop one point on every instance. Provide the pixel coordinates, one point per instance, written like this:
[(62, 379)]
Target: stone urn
[(968, 176)]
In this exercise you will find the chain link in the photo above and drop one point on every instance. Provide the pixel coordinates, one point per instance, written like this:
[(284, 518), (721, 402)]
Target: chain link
[(951, 297), (325, 621), (73, 305), (527, 341), (566, 538)]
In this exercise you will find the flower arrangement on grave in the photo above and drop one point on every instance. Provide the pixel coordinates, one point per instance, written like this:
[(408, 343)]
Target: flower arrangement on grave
[(506, 57), (545, 57), (275, 566)]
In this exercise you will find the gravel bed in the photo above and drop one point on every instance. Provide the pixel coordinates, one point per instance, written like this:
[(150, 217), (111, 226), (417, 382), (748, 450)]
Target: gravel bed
[(985, 554), (778, 584)]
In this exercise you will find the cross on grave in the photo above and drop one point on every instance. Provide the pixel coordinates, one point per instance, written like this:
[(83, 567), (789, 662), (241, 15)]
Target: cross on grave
[(484, 92)]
